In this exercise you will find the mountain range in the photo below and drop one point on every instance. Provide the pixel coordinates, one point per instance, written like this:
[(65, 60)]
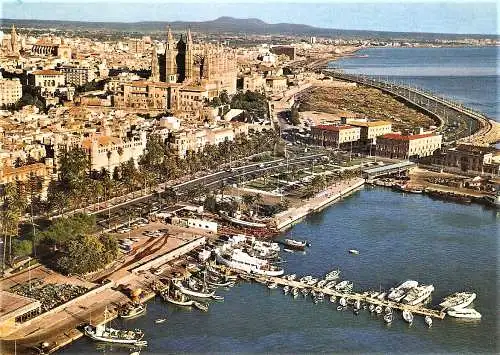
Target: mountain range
[(227, 25)]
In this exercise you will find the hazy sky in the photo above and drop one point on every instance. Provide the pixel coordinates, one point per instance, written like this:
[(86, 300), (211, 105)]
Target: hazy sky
[(424, 16)]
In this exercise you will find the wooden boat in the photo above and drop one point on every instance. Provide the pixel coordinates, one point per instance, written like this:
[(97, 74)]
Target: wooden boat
[(295, 244), (132, 311)]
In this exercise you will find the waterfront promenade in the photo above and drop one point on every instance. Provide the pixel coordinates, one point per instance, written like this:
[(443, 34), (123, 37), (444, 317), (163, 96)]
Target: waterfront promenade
[(316, 203), (445, 111)]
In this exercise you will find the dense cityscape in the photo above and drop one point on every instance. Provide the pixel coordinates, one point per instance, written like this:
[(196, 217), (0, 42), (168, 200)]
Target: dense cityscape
[(171, 164)]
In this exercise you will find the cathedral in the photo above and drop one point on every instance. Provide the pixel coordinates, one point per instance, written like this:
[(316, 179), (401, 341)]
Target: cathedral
[(209, 66)]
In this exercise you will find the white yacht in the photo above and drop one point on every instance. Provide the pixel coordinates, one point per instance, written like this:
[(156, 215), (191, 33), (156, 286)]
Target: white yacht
[(418, 294), (398, 293), (458, 300), (240, 260), (467, 313)]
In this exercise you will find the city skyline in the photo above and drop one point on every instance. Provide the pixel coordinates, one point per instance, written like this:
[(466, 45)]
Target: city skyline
[(444, 17)]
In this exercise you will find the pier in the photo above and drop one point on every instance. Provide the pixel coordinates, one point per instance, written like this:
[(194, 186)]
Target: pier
[(418, 309), (444, 110)]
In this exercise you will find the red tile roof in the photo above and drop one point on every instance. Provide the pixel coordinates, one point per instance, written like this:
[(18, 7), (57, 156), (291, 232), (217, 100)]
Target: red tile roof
[(400, 137), (47, 72)]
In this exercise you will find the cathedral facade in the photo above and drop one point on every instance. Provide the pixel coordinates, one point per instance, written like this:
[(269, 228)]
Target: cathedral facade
[(202, 65)]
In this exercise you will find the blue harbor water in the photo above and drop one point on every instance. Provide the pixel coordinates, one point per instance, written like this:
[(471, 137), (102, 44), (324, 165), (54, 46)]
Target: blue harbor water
[(466, 74), (399, 237)]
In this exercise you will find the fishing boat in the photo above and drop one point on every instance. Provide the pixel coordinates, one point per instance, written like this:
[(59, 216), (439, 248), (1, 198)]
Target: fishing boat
[(295, 244), (408, 316), (201, 306), (418, 294), (458, 300), (177, 298), (132, 311), (202, 293), (428, 321), (110, 335), (467, 313), (398, 293), (160, 320)]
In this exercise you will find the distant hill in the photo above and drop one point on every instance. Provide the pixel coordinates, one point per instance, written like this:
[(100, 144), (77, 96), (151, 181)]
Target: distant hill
[(227, 24)]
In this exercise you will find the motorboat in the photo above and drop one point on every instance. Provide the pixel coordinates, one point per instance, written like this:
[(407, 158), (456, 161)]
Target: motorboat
[(418, 294), (458, 300), (408, 316), (331, 284), (218, 298), (238, 259), (322, 283), (295, 244), (110, 335), (357, 304), (332, 275), (398, 293), (333, 299), (388, 318), (132, 311), (381, 296), (295, 292), (272, 285), (492, 200), (343, 302), (341, 285), (286, 289), (388, 309), (428, 321), (378, 309), (353, 251), (160, 320), (371, 308), (305, 291), (467, 313), (312, 281)]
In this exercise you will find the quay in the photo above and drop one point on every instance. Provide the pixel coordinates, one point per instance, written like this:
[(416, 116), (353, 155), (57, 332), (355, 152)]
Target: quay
[(420, 310), (443, 110)]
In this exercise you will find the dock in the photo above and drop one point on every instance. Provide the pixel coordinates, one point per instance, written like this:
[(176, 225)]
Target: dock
[(418, 309)]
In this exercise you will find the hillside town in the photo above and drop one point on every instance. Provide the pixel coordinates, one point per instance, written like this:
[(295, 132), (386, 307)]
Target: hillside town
[(224, 139)]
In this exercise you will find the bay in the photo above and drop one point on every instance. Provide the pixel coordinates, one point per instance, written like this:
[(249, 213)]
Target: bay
[(452, 246), (465, 74)]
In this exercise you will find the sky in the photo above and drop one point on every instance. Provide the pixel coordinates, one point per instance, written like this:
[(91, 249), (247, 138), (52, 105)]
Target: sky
[(401, 16)]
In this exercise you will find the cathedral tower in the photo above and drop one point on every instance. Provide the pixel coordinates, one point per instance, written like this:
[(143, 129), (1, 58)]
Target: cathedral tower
[(170, 54), (188, 60), (155, 69)]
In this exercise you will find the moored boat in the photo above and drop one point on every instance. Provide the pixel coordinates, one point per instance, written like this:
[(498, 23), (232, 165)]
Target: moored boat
[(458, 300), (388, 318), (132, 311), (398, 293), (418, 294), (110, 335), (408, 316), (295, 244), (467, 313), (428, 321), (203, 293)]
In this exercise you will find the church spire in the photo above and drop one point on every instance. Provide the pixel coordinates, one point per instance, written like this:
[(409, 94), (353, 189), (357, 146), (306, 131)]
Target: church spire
[(189, 38), (13, 39), (170, 38)]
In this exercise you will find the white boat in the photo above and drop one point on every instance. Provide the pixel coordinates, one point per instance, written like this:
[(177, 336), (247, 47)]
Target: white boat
[(332, 275), (177, 298), (331, 284), (286, 289), (322, 283), (388, 318), (272, 285), (160, 320), (343, 302), (381, 296), (458, 300), (312, 281), (133, 311), (240, 260), (190, 292), (357, 304), (378, 309), (398, 293), (295, 244), (418, 294), (110, 335), (428, 321), (201, 306), (371, 308), (218, 298), (408, 316), (341, 285), (353, 251), (333, 299), (468, 313)]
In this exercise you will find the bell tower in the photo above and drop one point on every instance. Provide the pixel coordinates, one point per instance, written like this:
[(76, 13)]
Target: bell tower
[(170, 54), (188, 60)]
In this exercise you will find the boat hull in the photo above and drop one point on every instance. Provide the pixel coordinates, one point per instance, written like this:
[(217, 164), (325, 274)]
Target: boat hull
[(251, 269)]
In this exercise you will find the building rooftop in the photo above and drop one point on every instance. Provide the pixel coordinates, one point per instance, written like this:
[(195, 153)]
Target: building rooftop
[(369, 123), (401, 137), (47, 72), (333, 128), (13, 305)]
